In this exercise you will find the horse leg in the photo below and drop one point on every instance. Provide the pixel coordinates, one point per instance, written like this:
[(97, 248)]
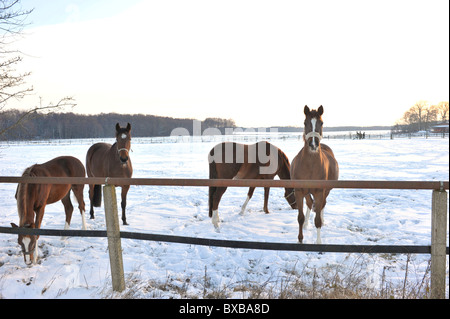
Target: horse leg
[(309, 205), (68, 208), (319, 205), (215, 205), (299, 195), (266, 199), (251, 190), (78, 192), (123, 204), (38, 220), (91, 200)]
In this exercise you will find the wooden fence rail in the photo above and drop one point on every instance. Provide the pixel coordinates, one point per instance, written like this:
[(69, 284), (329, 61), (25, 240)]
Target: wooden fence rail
[(369, 184), (438, 248)]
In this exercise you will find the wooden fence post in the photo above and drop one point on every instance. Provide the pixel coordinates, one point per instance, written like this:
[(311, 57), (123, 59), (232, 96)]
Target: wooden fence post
[(438, 243), (113, 233)]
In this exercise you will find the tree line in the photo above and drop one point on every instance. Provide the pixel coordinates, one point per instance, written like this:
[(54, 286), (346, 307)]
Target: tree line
[(71, 125), (422, 116)]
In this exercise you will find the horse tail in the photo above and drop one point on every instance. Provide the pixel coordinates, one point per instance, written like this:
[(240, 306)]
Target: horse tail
[(97, 197), (212, 190), (22, 193)]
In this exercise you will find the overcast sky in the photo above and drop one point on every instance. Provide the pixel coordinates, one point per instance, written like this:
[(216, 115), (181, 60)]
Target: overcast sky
[(257, 62)]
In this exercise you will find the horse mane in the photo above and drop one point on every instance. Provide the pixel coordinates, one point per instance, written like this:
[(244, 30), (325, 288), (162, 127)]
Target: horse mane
[(21, 195)]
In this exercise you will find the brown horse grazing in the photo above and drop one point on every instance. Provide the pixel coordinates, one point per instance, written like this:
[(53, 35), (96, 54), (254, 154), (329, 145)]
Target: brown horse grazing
[(106, 160), (238, 161), (32, 199), (315, 161)]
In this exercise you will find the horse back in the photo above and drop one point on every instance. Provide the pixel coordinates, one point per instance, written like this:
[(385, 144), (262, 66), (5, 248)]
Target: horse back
[(63, 166), (222, 160), (242, 161), (95, 159)]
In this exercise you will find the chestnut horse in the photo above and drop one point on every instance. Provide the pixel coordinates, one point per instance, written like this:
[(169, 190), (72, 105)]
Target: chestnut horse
[(32, 199), (239, 161), (315, 161), (106, 160)]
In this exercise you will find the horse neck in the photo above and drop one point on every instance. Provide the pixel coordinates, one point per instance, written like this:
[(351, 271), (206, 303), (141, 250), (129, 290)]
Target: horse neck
[(114, 151), (114, 148)]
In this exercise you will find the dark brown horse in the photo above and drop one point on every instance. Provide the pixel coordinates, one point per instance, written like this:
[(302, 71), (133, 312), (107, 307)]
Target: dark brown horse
[(239, 161), (315, 161), (106, 160), (32, 199)]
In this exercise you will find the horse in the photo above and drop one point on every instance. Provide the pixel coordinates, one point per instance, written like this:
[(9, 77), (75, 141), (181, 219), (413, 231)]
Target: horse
[(32, 199), (231, 160), (106, 160), (315, 161)]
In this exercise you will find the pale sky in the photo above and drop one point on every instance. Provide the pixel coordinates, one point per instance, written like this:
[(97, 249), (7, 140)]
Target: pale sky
[(257, 62)]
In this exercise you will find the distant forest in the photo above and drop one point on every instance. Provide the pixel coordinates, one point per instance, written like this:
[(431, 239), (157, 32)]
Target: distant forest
[(71, 125)]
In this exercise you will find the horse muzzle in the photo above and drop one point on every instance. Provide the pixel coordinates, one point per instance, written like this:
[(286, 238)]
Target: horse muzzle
[(313, 140), (314, 144), (123, 158), (28, 258)]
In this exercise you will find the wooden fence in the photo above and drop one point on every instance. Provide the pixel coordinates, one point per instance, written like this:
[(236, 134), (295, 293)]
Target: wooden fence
[(438, 248)]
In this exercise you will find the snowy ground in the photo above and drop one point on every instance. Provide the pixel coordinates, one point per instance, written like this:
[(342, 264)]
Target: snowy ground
[(79, 267)]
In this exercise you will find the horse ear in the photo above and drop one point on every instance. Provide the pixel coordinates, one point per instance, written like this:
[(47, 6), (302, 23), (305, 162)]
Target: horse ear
[(128, 127), (320, 110), (306, 110), (117, 127), (14, 225)]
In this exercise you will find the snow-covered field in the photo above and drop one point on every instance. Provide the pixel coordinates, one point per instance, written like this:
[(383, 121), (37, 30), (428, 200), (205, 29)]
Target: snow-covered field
[(79, 267)]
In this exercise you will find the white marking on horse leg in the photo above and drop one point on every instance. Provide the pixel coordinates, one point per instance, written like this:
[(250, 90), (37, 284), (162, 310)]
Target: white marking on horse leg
[(244, 206), (319, 240), (305, 224), (66, 227), (35, 255), (83, 221), (26, 243), (215, 218)]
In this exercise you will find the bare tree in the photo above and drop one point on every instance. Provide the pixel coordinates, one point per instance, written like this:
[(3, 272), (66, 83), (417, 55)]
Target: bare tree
[(418, 110), (13, 83), (442, 110)]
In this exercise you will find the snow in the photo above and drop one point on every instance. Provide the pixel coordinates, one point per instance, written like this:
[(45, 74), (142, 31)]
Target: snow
[(79, 267)]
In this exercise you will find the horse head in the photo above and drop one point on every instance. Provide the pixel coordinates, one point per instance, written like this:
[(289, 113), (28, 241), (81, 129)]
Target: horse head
[(123, 139), (312, 133), (289, 194), (28, 243)]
